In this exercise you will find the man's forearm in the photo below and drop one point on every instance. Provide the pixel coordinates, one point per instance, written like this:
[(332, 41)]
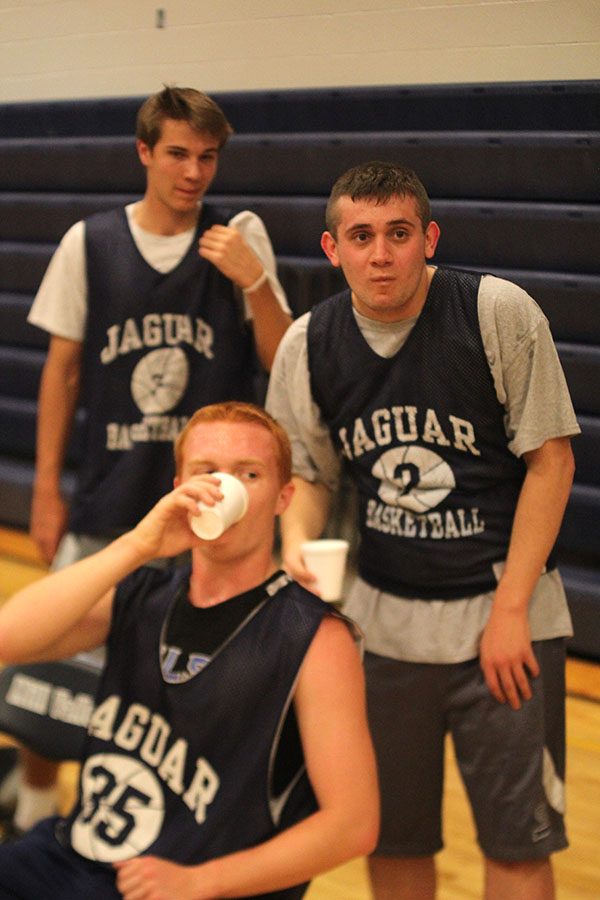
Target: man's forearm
[(538, 516), (307, 514), (299, 854), (36, 620), (269, 322), (315, 845), (59, 392), (304, 519), (506, 653)]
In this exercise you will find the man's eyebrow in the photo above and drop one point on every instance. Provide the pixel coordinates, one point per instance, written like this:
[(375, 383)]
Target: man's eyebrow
[(401, 222), (246, 461), (359, 226), (181, 149), (250, 461)]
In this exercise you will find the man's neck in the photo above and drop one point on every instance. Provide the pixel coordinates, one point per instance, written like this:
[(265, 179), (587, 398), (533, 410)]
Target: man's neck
[(158, 219), (213, 582)]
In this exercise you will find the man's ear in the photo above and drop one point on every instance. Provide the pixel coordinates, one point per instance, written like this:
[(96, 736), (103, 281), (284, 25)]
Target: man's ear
[(144, 152), (285, 497), (432, 236), (329, 247), (176, 481)]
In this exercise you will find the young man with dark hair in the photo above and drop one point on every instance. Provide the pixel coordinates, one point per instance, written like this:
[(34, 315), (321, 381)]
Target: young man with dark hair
[(153, 310), (432, 384), (228, 754), (181, 105)]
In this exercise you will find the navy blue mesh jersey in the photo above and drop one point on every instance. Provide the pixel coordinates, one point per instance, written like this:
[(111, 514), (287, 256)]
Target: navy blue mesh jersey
[(423, 434), (157, 347), (185, 771)]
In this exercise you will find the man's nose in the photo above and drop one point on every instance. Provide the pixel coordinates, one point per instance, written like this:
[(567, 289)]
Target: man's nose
[(193, 170), (381, 251)]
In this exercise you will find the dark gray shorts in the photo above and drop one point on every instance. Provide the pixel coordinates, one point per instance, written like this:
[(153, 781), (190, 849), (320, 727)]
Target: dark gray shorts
[(512, 762)]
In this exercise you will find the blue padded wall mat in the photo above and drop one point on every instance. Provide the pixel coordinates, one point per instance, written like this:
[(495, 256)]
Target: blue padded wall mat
[(579, 533), (36, 217), (582, 590), (16, 478), (586, 448), (22, 266), (463, 165), (71, 164), (14, 328), (473, 233), (17, 435), (21, 370), (581, 364), (544, 105)]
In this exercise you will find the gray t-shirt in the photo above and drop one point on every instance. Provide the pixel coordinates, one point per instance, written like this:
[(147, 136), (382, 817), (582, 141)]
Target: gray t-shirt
[(526, 373)]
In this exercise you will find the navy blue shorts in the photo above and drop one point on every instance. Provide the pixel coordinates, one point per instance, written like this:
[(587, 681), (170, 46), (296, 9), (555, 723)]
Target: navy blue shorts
[(39, 866)]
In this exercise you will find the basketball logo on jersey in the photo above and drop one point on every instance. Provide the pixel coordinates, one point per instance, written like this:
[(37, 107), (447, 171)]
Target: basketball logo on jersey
[(413, 481), (413, 477), (122, 809), (160, 379)]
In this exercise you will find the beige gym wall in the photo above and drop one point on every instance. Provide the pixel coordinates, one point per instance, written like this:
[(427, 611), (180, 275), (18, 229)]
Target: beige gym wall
[(53, 49)]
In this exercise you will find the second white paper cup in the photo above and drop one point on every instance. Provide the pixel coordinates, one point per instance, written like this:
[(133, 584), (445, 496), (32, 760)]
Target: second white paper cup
[(212, 521), (326, 558)]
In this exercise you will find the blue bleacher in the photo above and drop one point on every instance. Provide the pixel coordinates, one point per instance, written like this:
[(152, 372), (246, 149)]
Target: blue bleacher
[(514, 175)]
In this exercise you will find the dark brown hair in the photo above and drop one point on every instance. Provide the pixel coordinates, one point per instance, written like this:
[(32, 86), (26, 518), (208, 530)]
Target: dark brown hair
[(186, 104), (379, 182)]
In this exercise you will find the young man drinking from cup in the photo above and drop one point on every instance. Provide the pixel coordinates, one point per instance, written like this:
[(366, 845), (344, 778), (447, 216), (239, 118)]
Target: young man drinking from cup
[(228, 754)]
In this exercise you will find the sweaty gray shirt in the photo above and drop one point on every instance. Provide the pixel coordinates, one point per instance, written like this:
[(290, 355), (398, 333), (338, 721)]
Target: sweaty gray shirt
[(531, 387)]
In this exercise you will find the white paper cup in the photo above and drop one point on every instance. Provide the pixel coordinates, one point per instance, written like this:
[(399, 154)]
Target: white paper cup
[(212, 521), (326, 559)]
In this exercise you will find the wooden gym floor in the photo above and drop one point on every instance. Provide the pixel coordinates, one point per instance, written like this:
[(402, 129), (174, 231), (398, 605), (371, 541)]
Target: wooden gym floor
[(577, 869)]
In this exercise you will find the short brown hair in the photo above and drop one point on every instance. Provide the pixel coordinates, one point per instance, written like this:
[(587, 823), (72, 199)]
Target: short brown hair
[(377, 181), (187, 104), (247, 413)]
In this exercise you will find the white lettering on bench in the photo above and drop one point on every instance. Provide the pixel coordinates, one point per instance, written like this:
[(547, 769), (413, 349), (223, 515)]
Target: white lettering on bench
[(46, 699)]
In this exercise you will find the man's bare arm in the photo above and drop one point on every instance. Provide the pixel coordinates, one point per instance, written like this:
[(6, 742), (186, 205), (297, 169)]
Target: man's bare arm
[(58, 395), (225, 248), (507, 658), (69, 610), (304, 520)]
